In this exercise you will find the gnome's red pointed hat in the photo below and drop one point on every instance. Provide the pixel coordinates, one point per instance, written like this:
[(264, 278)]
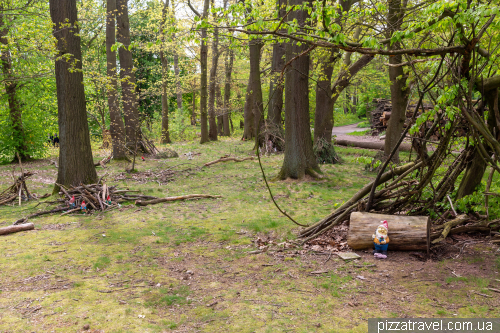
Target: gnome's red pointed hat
[(384, 224)]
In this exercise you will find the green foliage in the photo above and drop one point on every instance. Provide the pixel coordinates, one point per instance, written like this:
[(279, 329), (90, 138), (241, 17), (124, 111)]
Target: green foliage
[(341, 119)]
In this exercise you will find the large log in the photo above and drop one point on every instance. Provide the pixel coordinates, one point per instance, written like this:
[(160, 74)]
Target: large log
[(16, 228), (369, 145), (406, 233)]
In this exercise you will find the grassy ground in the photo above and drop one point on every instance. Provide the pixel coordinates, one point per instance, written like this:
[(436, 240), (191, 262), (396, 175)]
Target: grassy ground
[(187, 266)]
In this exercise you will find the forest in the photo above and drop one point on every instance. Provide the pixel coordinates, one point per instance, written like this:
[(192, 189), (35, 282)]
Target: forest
[(248, 166)]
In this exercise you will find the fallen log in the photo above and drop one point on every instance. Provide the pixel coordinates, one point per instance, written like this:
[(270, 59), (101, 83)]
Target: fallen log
[(16, 228), (406, 233), (370, 145), (182, 197), (24, 219), (226, 159), (399, 171)]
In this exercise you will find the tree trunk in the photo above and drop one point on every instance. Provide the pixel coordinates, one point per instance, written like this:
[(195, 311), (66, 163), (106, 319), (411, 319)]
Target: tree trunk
[(116, 127), (212, 125), (299, 156), (15, 111), (127, 76), (203, 78), (248, 130), (227, 92), (323, 117), (399, 90), (76, 164), (165, 133), (275, 87), (177, 79), (406, 233), (193, 113), (220, 110), (255, 46)]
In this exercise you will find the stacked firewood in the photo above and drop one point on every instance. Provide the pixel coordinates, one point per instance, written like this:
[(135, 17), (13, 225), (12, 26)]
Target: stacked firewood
[(96, 197), (382, 113), (17, 190)]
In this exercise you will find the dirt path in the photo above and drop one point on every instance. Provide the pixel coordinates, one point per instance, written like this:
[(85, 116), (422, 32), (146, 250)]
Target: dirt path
[(341, 134), (347, 129)]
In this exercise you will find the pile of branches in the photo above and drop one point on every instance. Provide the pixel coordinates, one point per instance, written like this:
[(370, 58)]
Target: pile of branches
[(97, 197), (17, 190), (101, 197), (423, 184)]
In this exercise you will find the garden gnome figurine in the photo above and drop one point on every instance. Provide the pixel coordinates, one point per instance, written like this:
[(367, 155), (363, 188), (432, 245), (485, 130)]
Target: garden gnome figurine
[(83, 207), (72, 202), (381, 241), (108, 200)]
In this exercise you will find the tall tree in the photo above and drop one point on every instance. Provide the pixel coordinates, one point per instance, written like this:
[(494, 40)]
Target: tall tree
[(299, 156), (255, 45), (220, 110), (165, 134), (227, 91), (212, 125), (127, 76), (397, 76), (323, 117), (248, 115), (177, 68), (11, 87), (75, 155), (203, 77), (275, 87), (117, 129)]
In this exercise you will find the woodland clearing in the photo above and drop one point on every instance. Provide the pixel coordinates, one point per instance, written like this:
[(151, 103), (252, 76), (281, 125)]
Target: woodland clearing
[(193, 266)]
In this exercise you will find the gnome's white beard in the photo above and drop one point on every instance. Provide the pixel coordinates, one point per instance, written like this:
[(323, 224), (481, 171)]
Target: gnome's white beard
[(379, 235)]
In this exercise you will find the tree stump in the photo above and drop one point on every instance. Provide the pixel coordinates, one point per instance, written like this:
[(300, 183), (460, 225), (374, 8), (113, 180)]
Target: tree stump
[(406, 233)]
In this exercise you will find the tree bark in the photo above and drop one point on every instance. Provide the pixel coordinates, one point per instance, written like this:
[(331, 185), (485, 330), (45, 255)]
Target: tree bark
[(212, 125), (323, 117), (227, 92), (193, 112), (399, 90), (220, 110), (177, 79), (76, 164), (203, 77), (165, 133), (299, 156), (255, 46), (116, 127), (127, 76), (275, 87), (15, 111), (248, 126)]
